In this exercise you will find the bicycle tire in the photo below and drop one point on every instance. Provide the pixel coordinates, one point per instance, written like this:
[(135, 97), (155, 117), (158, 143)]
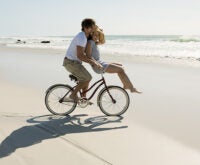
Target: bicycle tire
[(113, 109), (54, 94)]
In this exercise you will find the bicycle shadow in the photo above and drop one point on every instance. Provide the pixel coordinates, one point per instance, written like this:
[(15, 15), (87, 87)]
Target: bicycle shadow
[(50, 127)]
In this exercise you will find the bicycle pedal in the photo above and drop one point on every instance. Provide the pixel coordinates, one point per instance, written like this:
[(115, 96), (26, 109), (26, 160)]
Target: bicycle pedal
[(90, 103)]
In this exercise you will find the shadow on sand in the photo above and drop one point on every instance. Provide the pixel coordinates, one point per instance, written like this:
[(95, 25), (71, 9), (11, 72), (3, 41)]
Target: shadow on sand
[(49, 127)]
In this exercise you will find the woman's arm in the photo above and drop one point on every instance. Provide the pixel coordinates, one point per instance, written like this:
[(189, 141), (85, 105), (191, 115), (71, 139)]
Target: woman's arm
[(88, 50)]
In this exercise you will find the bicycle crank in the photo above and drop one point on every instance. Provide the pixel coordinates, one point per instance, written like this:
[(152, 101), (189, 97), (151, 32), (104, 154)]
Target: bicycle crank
[(83, 102)]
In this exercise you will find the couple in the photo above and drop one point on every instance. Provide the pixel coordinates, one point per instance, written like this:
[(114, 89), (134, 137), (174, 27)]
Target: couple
[(83, 48)]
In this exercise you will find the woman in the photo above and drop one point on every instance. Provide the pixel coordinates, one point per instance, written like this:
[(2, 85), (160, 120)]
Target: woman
[(92, 51)]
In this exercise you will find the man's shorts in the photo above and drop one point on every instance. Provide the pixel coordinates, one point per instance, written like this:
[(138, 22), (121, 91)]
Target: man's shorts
[(77, 69)]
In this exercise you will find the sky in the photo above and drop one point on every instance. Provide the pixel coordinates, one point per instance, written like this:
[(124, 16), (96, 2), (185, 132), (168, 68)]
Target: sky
[(116, 17)]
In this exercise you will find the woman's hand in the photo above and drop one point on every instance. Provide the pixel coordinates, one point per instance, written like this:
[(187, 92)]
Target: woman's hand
[(97, 65)]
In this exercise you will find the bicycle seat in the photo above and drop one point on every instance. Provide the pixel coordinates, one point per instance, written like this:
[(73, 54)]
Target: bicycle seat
[(73, 78)]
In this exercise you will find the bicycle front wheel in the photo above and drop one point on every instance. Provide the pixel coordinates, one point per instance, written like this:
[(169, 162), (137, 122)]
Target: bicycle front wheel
[(54, 102), (113, 101)]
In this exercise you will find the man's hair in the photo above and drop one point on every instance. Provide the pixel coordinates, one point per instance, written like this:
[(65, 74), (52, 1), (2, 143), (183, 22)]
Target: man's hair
[(87, 22)]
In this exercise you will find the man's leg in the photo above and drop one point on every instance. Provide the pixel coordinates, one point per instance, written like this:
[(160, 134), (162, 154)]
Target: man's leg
[(81, 85), (83, 76), (85, 88), (84, 79)]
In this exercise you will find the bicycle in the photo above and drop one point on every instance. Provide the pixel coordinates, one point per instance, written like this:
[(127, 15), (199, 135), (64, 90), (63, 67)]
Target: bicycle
[(112, 100)]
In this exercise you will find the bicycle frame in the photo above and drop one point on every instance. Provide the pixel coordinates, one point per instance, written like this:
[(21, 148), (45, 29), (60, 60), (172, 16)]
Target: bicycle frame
[(100, 82), (108, 99)]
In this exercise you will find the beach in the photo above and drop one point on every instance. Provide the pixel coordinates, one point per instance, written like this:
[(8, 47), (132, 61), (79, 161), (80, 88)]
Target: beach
[(161, 126)]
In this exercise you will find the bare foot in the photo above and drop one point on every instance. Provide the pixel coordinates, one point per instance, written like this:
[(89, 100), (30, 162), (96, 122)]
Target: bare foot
[(74, 97), (134, 90)]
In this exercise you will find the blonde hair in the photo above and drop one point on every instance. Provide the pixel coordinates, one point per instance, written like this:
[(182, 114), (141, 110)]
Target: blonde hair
[(101, 35)]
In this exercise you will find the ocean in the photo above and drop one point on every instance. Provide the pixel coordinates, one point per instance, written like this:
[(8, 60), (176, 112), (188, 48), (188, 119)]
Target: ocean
[(168, 46)]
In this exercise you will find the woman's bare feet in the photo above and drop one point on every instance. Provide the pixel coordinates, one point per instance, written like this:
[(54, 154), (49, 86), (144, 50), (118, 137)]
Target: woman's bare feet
[(132, 89), (135, 90)]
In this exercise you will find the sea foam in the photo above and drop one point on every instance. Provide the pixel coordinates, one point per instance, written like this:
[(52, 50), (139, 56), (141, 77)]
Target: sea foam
[(137, 45)]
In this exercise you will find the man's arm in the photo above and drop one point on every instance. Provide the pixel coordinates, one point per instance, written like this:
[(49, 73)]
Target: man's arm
[(81, 55)]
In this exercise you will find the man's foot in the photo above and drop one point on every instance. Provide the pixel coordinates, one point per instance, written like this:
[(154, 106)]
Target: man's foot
[(67, 99), (71, 98), (74, 98)]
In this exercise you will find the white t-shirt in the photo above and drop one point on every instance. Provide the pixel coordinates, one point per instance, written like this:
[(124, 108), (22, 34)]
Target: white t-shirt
[(79, 40)]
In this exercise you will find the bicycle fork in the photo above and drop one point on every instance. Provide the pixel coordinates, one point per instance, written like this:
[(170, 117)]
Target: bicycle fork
[(113, 100)]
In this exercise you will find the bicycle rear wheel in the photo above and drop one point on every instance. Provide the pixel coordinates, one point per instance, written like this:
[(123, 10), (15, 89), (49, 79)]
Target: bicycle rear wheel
[(116, 106), (53, 100)]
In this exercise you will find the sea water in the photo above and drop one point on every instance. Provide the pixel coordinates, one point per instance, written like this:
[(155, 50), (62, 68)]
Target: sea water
[(168, 46)]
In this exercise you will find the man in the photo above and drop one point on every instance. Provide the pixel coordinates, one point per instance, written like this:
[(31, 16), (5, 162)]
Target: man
[(76, 54)]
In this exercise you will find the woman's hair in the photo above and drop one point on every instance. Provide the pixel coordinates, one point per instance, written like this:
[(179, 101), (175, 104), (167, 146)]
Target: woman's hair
[(87, 22), (100, 33), (101, 37)]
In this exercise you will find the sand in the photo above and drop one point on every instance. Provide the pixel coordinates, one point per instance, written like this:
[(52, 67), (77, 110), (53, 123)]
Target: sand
[(161, 125)]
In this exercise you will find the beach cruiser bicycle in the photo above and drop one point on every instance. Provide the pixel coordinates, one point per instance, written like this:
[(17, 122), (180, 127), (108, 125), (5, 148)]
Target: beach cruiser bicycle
[(112, 100)]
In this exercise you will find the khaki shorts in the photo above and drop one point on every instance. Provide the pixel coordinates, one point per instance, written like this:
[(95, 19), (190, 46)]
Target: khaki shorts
[(77, 69)]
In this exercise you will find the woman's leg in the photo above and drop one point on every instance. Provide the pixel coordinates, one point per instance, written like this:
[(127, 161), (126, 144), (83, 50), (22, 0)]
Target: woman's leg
[(117, 68), (117, 64)]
